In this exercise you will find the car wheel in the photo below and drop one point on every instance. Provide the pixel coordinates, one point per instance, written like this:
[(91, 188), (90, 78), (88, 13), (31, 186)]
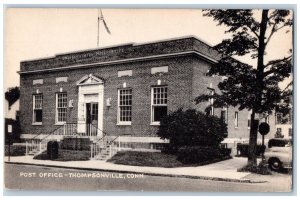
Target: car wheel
[(275, 164)]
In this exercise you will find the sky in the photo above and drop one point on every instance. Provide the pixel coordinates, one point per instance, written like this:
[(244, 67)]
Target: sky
[(43, 32)]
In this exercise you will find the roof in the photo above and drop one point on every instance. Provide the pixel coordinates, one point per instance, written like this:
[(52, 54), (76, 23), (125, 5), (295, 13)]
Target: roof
[(122, 53)]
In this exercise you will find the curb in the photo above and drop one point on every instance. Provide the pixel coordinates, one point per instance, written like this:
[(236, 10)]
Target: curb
[(145, 173)]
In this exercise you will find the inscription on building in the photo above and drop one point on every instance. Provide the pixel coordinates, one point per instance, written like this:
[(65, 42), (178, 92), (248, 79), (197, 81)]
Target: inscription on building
[(87, 55)]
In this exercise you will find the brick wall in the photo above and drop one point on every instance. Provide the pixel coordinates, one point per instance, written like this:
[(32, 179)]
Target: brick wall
[(119, 53), (178, 80)]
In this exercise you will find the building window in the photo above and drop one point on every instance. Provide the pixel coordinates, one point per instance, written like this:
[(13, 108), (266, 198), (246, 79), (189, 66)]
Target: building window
[(278, 133), (278, 118), (267, 119), (249, 120), (236, 119), (290, 131), (37, 109), (61, 107), (159, 96), (223, 116), (125, 106), (155, 70), (125, 73)]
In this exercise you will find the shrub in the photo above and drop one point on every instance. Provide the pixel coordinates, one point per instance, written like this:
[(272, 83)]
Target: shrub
[(203, 155), (15, 150), (191, 128), (65, 155)]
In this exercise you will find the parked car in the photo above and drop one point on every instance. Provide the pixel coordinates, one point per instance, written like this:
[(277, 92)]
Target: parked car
[(279, 153), (242, 150)]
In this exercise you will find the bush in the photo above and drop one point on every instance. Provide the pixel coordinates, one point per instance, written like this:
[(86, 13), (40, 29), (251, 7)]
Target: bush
[(15, 150), (203, 155), (191, 128), (65, 155)]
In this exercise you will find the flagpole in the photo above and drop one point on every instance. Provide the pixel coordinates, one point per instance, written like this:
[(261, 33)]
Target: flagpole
[(98, 27), (101, 18)]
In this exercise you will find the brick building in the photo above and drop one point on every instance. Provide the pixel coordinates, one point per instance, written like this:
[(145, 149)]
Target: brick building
[(121, 90)]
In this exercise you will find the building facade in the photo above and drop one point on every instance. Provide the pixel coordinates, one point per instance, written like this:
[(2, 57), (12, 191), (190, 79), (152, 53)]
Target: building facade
[(122, 90)]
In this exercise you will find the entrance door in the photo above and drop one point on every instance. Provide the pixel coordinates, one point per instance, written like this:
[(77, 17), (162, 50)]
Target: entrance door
[(91, 119)]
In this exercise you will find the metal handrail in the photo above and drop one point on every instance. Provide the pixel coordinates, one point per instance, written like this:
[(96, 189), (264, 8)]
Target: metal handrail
[(104, 134), (52, 132), (36, 136), (113, 140)]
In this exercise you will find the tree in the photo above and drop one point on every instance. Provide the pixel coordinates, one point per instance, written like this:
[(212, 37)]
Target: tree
[(254, 88), (12, 95)]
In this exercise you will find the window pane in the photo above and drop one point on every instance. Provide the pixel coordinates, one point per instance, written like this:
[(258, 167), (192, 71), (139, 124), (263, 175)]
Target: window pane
[(159, 112), (62, 107), (125, 105), (159, 95), (37, 107), (38, 115)]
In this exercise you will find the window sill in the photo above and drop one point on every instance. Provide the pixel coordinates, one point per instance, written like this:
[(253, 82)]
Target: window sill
[(37, 124), (155, 123), (59, 123), (124, 124)]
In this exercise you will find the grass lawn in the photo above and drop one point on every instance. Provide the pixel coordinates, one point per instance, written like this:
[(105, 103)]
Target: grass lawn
[(66, 155), (151, 159)]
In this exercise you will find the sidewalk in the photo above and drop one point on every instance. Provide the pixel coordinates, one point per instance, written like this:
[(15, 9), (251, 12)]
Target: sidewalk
[(220, 171)]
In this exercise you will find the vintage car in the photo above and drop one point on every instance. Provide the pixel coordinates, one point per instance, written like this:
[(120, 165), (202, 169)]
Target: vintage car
[(279, 153)]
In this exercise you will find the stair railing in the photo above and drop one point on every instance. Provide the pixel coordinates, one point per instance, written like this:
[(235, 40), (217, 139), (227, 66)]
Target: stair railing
[(98, 147), (37, 144)]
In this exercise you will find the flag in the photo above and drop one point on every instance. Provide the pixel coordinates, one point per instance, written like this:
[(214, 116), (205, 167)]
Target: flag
[(106, 27), (104, 23)]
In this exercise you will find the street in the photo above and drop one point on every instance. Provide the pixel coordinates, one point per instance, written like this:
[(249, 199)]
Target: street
[(30, 177)]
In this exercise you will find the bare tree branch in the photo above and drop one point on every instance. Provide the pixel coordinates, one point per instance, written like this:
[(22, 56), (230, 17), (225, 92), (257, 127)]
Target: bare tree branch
[(271, 34), (273, 62), (256, 34)]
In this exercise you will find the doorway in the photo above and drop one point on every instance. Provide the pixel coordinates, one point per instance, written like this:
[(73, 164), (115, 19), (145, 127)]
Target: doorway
[(91, 119)]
